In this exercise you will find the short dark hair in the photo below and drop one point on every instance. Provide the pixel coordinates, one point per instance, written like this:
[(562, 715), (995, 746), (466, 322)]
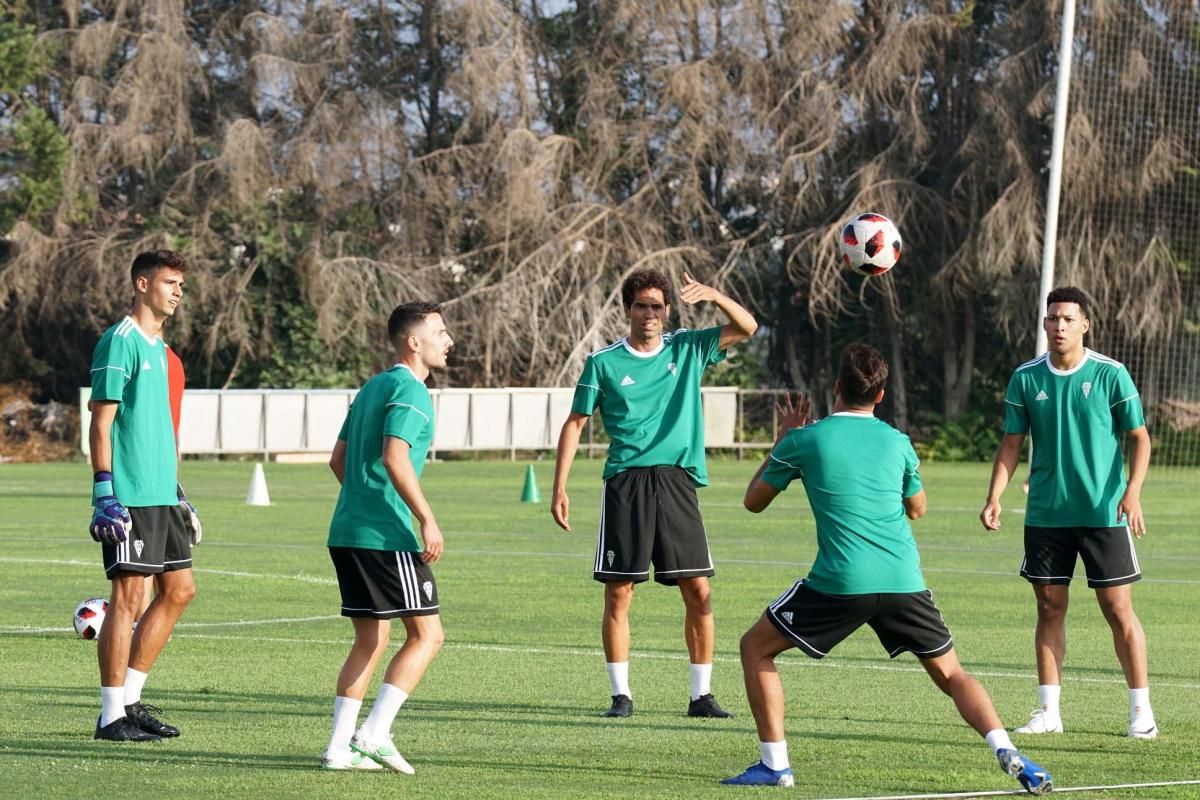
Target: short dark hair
[(407, 316), (149, 262), (1070, 294), (862, 374), (645, 279)]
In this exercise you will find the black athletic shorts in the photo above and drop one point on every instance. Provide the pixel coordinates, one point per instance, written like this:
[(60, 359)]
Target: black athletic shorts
[(1108, 555), (161, 541), (650, 515), (816, 622), (384, 583)]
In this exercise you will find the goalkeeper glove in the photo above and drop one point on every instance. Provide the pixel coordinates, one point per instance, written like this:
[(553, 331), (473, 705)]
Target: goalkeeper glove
[(193, 517), (110, 520)]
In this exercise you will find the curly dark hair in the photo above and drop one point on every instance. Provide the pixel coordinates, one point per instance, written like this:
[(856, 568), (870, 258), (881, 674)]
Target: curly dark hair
[(645, 279), (1070, 294), (149, 262), (862, 373)]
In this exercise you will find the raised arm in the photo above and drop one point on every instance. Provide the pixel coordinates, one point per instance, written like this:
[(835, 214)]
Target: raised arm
[(741, 325)]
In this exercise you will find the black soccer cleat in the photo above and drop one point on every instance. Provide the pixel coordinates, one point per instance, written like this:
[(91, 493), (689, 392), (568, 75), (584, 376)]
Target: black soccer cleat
[(123, 730), (706, 706), (140, 714), (622, 706)]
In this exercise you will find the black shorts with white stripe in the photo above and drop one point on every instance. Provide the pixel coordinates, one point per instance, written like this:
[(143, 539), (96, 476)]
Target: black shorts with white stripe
[(1108, 555), (159, 541), (384, 584)]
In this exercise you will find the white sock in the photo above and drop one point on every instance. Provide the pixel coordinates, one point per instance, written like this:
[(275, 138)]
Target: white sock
[(774, 755), (701, 680), (998, 740), (345, 717), (618, 678), (1139, 703), (1049, 692), (112, 704), (134, 681), (378, 724)]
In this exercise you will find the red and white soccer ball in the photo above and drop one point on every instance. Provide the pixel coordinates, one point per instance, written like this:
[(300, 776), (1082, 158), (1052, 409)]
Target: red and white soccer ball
[(89, 617), (869, 244)]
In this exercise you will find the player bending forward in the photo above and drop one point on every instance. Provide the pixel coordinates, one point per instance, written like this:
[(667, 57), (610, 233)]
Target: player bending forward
[(867, 569), (382, 570)]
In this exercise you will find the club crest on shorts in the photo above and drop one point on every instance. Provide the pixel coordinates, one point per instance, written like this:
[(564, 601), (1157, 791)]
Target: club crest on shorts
[(787, 617), (428, 587), (138, 544), (611, 556), (1087, 389)]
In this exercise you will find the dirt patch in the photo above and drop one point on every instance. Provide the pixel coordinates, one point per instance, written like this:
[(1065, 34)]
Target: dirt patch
[(32, 432)]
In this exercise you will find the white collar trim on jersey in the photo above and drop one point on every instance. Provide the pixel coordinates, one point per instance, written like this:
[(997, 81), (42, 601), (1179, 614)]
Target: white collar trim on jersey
[(146, 336), (1087, 353), (853, 414), (407, 367), (661, 344)]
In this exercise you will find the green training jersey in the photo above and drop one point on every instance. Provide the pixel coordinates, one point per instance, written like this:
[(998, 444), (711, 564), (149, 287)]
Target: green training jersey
[(370, 513), (130, 368), (650, 402), (1075, 419), (856, 470)]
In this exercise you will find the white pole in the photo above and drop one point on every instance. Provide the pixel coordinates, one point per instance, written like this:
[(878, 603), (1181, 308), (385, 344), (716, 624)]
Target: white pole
[(1065, 50)]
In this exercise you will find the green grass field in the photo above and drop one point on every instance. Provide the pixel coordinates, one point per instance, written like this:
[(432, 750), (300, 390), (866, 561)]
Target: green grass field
[(510, 707)]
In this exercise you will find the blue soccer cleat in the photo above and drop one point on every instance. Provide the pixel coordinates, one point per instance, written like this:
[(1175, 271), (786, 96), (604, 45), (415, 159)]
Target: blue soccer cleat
[(1034, 778), (759, 774)]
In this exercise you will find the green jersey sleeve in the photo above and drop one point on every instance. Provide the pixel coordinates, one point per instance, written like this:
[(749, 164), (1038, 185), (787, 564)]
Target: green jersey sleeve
[(404, 417), (912, 471), (587, 390), (112, 367), (783, 464), (1016, 415), (707, 343), (1126, 403)]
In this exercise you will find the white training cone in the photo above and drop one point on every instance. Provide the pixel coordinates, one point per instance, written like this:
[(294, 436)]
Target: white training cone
[(257, 495)]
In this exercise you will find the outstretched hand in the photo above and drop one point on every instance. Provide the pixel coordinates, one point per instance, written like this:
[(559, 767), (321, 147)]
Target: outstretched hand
[(695, 292), (793, 413)]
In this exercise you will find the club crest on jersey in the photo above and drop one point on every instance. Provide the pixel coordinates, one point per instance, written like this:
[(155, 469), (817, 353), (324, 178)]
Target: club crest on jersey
[(428, 587), (138, 544), (671, 368), (787, 617), (1087, 389), (611, 556)]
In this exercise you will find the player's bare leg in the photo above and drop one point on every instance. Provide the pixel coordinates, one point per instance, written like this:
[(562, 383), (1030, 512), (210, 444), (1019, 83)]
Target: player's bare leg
[(614, 625), (424, 639), (175, 591), (1129, 640), (1050, 635), (970, 698), (114, 643), (698, 628), (759, 647), (370, 641)]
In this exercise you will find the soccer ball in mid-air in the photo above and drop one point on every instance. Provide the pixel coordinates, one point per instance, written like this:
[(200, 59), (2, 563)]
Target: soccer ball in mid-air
[(869, 244), (89, 617)]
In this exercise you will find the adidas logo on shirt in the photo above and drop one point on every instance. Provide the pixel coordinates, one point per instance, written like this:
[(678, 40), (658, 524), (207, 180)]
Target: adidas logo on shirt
[(1041, 395), (627, 381), (146, 364)]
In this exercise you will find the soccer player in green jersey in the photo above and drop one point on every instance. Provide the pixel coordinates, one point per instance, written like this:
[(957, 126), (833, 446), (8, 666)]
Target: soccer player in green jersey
[(140, 515), (862, 481), (383, 570), (1075, 404), (647, 387)]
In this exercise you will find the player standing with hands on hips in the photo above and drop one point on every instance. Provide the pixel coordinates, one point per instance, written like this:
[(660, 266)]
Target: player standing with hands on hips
[(139, 512), (1075, 404), (382, 568), (647, 387)]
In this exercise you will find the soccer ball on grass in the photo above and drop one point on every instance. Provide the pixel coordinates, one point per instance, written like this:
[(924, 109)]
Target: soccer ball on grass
[(89, 617), (869, 244)]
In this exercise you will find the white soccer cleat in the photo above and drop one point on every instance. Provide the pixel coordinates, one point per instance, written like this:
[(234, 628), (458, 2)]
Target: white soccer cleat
[(1143, 728), (383, 752), (1041, 722), (347, 760)]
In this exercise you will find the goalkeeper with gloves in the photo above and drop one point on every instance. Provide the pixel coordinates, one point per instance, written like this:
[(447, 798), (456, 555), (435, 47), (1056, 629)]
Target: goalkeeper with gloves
[(140, 516)]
